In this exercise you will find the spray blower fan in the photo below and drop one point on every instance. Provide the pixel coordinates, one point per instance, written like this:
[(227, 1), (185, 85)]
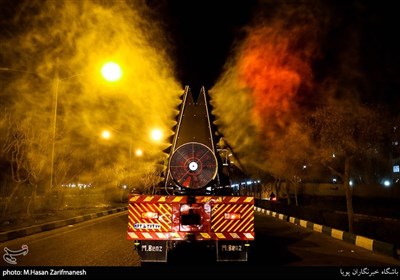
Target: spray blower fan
[(193, 165)]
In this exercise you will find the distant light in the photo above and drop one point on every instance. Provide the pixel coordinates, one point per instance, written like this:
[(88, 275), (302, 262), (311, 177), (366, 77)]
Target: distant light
[(79, 185), (156, 134), (334, 180), (248, 182), (396, 168), (333, 155), (351, 182), (106, 134), (258, 181), (139, 152), (304, 166), (111, 72), (386, 183), (124, 187)]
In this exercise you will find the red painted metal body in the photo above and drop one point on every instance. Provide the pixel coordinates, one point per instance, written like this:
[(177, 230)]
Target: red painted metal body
[(159, 217)]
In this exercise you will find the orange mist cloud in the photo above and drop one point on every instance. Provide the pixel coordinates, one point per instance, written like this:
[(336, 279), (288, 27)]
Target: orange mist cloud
[(273, 71), (267, 84)]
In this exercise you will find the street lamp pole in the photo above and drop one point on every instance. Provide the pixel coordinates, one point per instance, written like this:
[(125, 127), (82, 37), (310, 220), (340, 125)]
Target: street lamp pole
[(111, 72), (55, 98)]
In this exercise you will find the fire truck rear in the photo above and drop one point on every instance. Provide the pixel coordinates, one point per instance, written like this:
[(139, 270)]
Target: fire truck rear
[(197, 203)]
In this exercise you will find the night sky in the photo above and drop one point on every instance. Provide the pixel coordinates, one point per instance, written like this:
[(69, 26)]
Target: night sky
[(203, 35)]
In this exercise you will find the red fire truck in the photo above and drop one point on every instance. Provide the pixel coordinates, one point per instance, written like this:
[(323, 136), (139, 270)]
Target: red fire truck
[(197, 203)]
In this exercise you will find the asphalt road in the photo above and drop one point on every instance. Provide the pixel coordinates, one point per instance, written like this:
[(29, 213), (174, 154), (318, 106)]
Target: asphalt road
[(279, 243), (97, 242), (102, 242)]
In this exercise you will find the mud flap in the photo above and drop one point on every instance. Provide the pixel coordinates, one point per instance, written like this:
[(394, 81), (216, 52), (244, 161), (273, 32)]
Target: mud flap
[(152, 250), (231, 250)]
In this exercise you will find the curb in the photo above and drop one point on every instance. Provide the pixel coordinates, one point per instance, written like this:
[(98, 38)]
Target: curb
[(358, 240), (13, 234)]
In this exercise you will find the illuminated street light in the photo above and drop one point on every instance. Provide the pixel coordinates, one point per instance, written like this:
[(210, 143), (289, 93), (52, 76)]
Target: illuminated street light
[(138, 152), (106, 134), (156, 134), (55, 96), (108, 73), (111, 72)]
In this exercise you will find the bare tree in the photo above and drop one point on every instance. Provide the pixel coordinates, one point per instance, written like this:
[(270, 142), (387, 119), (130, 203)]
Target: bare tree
[(27, 150), (150, 179), (36, 161), (343, 134), (12, 150), (288, 154)]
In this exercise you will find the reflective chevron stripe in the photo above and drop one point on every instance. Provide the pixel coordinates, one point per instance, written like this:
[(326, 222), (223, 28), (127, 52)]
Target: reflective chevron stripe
[(244, 224), (137, 222), (202, 236), (157, 199), (158, 217), (225, 199)]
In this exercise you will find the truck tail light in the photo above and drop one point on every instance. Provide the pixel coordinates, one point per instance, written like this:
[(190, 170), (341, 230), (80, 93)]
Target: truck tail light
[(232, 216), (149, 215)]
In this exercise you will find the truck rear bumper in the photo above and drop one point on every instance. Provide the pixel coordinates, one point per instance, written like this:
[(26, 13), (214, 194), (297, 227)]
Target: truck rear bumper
[(200, 236)]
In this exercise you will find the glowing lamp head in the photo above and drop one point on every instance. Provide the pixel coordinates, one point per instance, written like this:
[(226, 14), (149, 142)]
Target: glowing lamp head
[(111, 72), (156, 134), (138, 152), (106, 134)]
